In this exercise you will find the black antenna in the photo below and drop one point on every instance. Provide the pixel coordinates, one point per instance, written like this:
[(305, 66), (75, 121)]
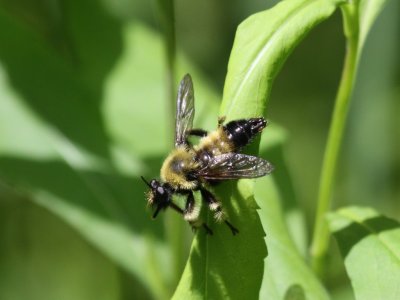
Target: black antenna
[(157, 211), (145, 181)]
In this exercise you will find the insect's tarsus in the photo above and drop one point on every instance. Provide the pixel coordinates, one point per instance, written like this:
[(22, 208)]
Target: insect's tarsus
[(208, 230), (232, 228)]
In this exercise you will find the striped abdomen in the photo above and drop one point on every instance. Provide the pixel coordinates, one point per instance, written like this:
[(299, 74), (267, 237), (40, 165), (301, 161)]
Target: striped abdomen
[(241, 132)]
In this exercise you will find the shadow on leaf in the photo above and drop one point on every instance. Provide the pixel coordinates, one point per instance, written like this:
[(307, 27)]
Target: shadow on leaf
[(352, 234)]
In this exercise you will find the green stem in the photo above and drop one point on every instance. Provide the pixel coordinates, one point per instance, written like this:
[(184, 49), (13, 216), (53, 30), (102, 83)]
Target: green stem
[(173, 224), (167, 24), (321, 237)]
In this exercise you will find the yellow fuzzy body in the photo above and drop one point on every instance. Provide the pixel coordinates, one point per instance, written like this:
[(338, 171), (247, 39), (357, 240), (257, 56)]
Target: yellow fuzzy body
[(175, 167), (215, 143), (181, 161)]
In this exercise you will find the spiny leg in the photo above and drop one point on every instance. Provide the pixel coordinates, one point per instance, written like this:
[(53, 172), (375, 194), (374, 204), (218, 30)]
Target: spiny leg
[(216, 207), (191, 214)]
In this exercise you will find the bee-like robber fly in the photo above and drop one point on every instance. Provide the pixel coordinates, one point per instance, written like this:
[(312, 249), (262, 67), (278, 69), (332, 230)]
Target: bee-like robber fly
[(194, 168)]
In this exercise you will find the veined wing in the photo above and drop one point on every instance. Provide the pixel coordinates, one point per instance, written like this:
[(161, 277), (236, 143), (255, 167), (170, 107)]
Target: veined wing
[(184, 110), (235, 166)]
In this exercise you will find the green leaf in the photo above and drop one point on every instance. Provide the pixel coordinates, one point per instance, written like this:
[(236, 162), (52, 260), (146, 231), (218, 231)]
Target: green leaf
[(224, 266), (286, 274), (369, 243), (368, 12), (262, 44)]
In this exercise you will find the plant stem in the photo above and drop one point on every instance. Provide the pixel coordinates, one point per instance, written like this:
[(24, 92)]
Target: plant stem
[(321, 237), (173, 224), (167, 24)]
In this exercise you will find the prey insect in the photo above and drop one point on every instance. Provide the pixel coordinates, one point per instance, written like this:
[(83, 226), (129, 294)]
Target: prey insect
[(215, 158)]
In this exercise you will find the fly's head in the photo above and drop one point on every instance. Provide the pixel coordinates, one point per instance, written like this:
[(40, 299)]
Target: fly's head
[(158, 196)]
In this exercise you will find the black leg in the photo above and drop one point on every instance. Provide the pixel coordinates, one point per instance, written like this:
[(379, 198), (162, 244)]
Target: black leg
[(232, 228), (198, 132), (176, 207), (158, 209), (208, 229), (215, 206), (195, 132), (189, 213)]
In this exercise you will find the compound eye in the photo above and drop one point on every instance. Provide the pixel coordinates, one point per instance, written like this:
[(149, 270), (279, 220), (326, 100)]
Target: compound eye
[(160, 190)]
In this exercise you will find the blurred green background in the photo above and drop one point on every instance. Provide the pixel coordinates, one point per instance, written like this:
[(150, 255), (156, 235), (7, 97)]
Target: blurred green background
[(84, 112)]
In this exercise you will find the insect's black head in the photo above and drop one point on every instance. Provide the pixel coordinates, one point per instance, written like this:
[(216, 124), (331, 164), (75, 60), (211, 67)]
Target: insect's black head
[(159, 195)]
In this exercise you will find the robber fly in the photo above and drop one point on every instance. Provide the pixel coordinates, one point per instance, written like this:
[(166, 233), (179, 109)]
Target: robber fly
[(195, 168)]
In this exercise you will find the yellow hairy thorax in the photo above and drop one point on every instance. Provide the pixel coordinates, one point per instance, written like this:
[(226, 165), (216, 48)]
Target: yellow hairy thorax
[(176, 166), (182, 160)]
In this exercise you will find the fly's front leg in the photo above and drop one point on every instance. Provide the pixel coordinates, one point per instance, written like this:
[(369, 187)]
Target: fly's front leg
[(195, 132), (191, 213), (215, 206)]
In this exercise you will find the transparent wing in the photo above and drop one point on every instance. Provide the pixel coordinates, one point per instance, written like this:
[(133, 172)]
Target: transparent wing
[(184, 110), (235, 166)]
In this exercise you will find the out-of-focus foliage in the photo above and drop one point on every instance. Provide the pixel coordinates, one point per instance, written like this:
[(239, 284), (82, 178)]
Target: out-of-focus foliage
[(84, 111)]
